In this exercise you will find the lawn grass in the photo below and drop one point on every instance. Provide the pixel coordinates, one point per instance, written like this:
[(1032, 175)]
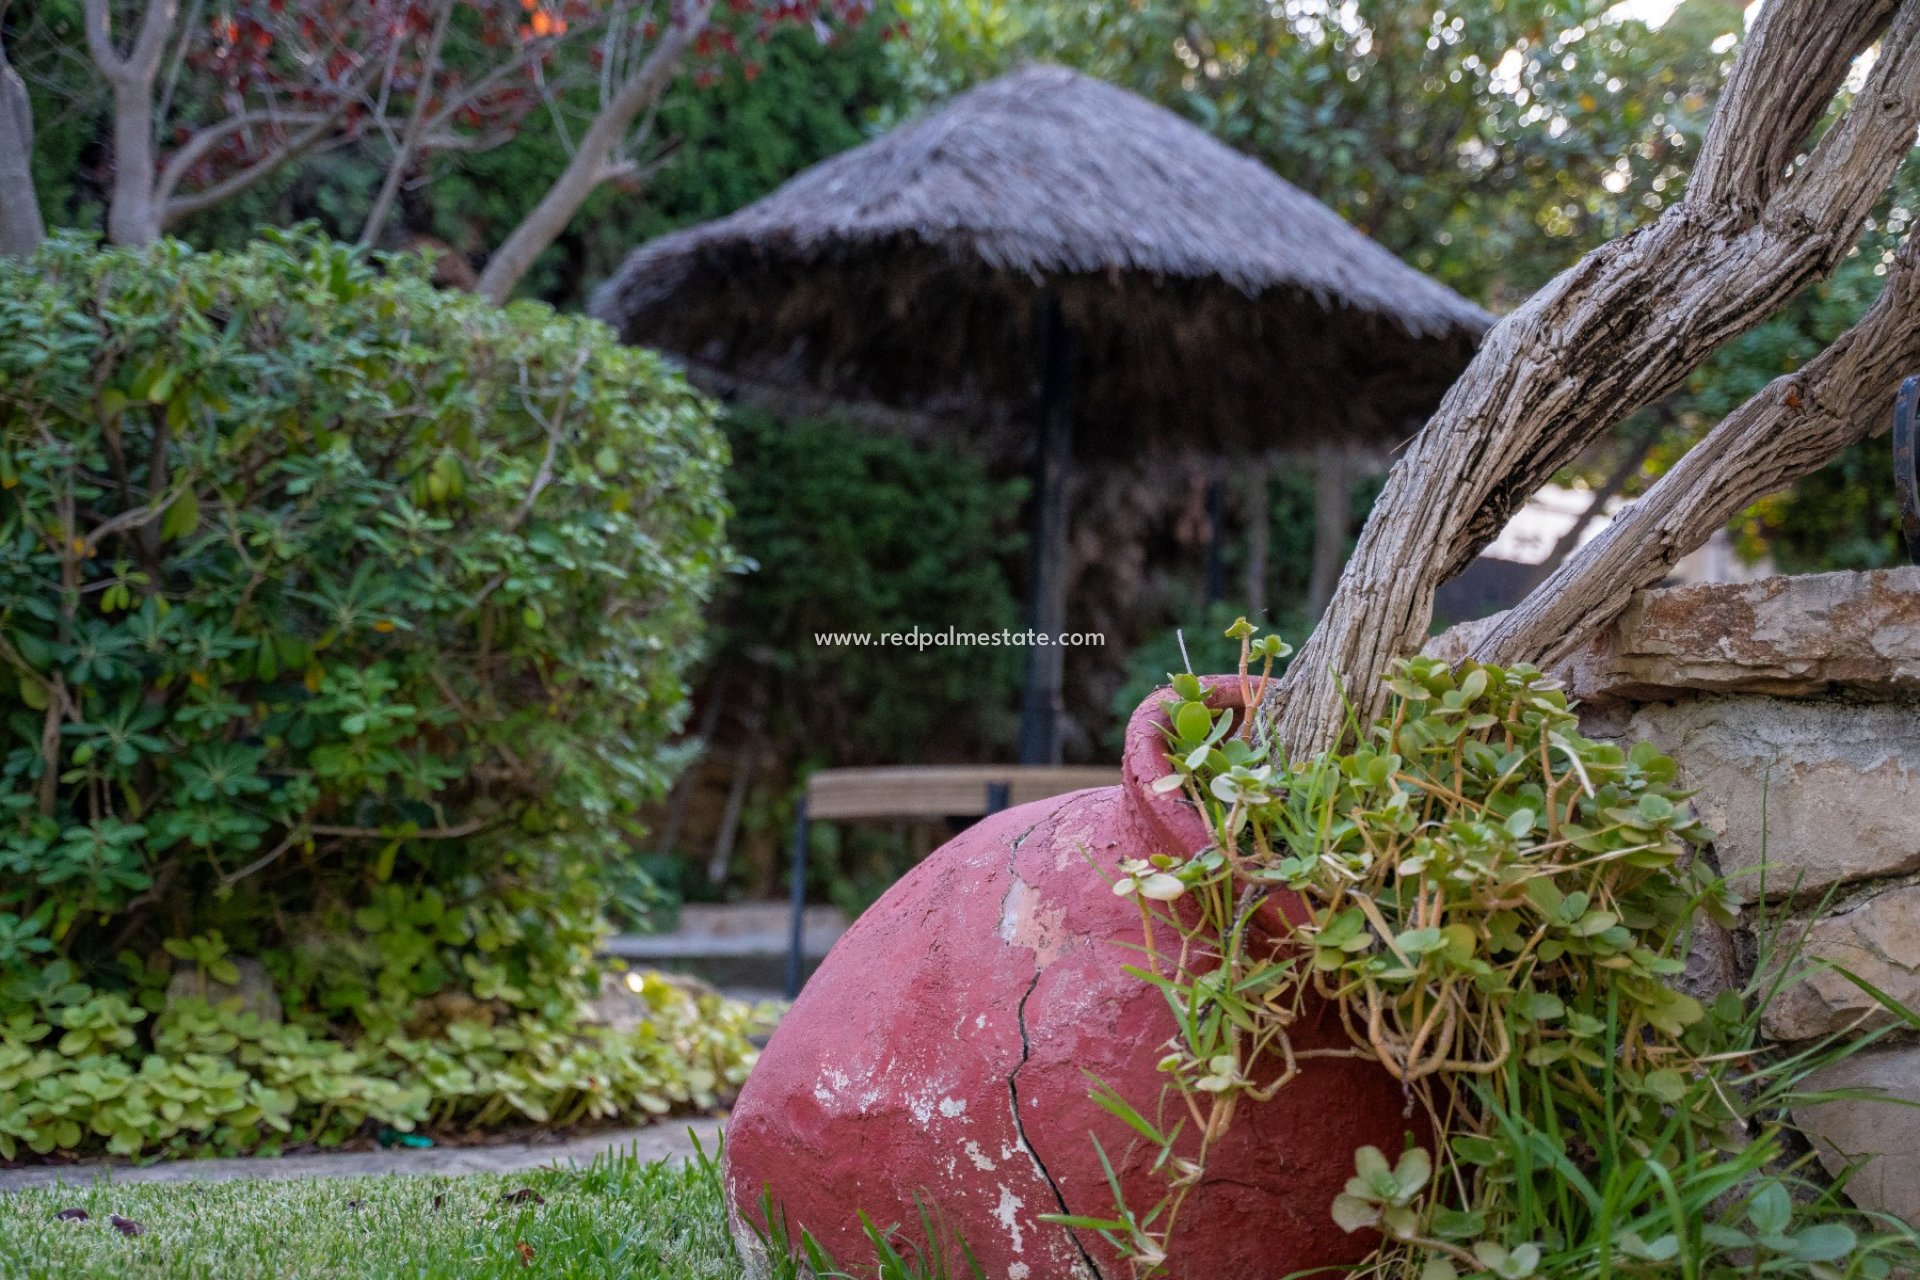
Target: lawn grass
[(615, 1218)]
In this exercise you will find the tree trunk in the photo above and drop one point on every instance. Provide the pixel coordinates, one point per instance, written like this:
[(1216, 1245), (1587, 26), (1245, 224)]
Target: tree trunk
[(592, 160), (1259, 537), (1042, 696), (1621, 329), (133, 213), (1332, 517), (134, 210), (21, 229)]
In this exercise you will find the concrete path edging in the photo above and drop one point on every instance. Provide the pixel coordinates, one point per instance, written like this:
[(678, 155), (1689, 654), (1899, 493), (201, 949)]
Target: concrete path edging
[(668, 1140)]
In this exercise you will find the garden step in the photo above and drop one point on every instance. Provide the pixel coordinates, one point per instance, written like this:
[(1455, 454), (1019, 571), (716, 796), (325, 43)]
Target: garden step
[(731, 931)]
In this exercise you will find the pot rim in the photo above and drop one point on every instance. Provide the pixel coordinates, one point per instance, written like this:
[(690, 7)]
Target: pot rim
[(1173, 824)]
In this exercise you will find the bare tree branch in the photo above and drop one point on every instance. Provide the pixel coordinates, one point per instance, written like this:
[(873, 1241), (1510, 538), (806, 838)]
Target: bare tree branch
[(1622, 328), (177, 64), (195, 149), (142, 59), (586, 170), (1786, 77), (321, 128), (292, 149), (473, 93), (409, 146)]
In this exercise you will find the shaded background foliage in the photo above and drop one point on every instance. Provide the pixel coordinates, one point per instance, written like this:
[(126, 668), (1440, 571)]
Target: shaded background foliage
[(1488, 144)]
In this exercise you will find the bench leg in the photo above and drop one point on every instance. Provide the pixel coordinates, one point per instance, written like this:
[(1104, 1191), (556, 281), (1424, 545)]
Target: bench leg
[(797, 927)]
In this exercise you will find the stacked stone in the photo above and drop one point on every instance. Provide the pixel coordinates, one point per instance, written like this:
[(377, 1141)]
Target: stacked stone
[(1793, 705)]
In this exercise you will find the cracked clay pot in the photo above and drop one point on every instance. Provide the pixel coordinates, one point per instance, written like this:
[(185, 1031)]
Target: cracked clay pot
[(945, 1049)]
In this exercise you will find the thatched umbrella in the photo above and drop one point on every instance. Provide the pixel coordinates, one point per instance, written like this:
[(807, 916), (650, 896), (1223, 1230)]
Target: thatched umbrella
[(1050, 250)]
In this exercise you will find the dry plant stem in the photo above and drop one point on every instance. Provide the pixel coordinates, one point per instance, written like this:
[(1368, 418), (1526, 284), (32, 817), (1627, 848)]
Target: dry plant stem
[(1621, 329)]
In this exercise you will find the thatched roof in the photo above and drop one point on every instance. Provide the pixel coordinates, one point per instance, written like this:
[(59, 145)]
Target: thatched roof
[(1211, 299)]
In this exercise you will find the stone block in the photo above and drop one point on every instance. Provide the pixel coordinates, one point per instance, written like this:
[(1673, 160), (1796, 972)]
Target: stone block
[(1823, 792), (1713, 962), (1795, 635), (1787, 636), (1877, 938), (1885, 1134)]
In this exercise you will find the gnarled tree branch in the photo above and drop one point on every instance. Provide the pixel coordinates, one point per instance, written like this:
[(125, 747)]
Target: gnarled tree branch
[(1622, 328), (1798, 423)]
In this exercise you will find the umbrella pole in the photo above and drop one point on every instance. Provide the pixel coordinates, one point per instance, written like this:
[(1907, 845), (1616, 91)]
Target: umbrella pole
[(1041, 700)]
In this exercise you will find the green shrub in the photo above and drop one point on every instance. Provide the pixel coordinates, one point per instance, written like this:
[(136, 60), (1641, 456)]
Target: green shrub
[(80, 1075), (852, 530), (342, 622)]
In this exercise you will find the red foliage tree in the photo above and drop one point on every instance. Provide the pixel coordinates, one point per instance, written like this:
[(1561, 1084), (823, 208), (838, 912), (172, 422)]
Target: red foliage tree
[(210, 101)]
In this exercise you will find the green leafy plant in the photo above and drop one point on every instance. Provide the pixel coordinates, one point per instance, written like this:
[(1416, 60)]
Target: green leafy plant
[(939, 1253), (214, 1077), (342, 623), (1496, 906)]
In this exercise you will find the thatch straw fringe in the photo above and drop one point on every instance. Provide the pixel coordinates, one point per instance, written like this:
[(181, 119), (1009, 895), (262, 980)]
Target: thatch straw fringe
[(905, 272)]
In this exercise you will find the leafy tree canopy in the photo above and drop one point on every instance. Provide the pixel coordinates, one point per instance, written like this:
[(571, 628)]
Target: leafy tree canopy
[(1488, 144)]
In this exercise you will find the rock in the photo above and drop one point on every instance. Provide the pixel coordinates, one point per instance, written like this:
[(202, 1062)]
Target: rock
[(254, 990), (617, 1007), (1877, 938), (944, 1051), (1886, 1134), (1809, 633), (1787, 635), (1822, 792)]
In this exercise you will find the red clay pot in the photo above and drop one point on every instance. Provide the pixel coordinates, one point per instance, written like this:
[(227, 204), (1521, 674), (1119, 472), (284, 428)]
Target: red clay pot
[(945, 1047)]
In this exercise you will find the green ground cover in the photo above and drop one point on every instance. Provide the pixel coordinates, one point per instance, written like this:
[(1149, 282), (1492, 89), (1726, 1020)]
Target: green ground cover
[(615, 1218)]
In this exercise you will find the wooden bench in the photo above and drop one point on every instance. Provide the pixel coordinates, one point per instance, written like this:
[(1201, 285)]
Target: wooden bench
[(916, 791)]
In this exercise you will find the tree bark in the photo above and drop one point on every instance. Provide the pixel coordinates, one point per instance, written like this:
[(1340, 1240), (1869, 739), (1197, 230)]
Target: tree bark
[(21, 229), (1795, 425), (134, 208), (592, 161), (1622, 328), (1332, 518), (1259, 536)]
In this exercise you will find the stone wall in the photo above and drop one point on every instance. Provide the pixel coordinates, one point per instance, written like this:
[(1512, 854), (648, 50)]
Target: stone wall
[(1793, 705)]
